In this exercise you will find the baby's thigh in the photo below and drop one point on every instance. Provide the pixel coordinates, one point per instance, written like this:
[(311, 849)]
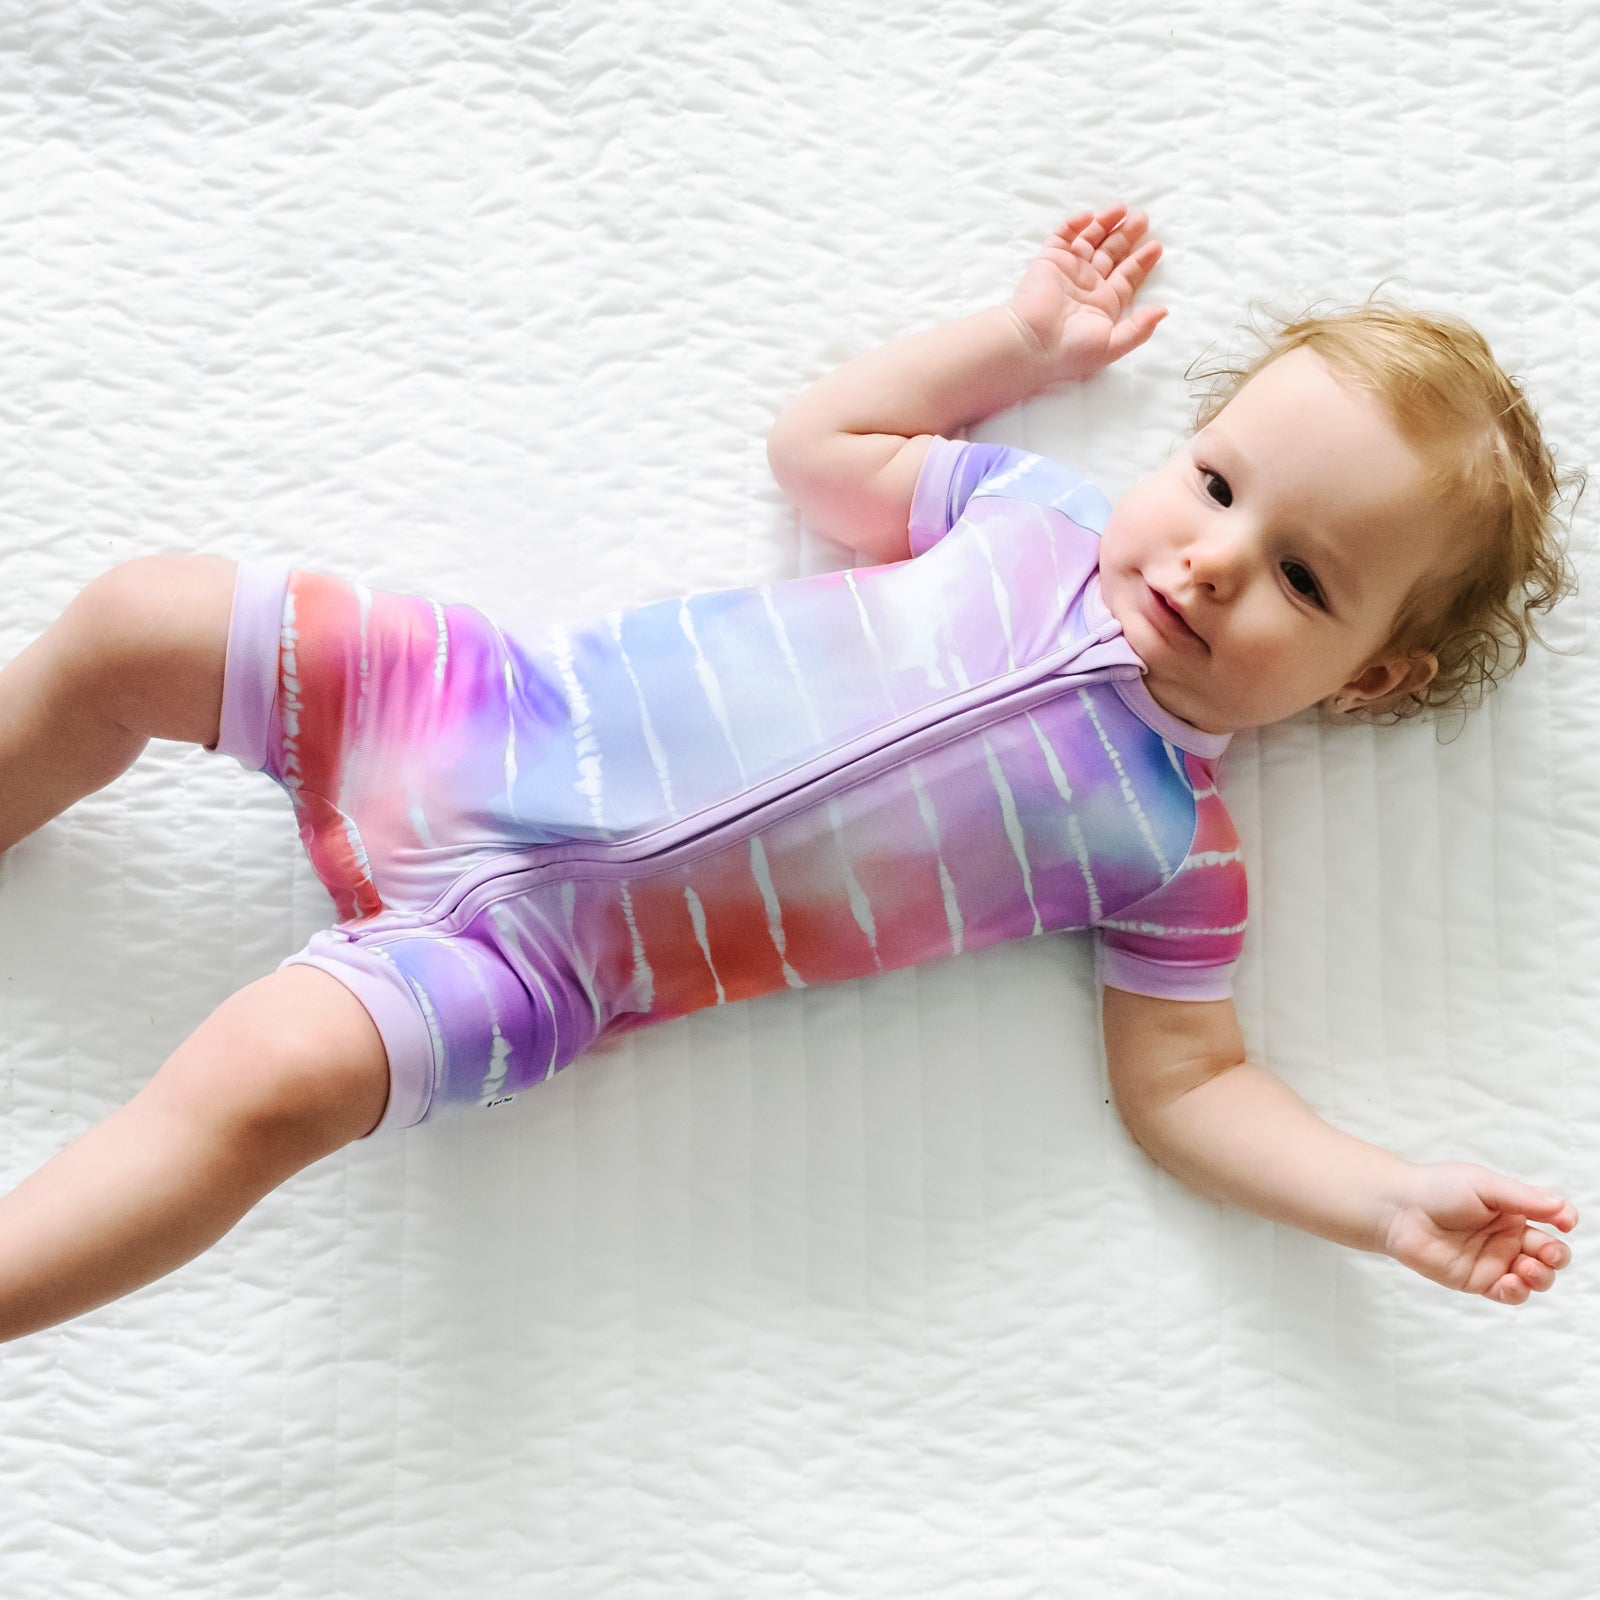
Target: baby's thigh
[(293, 1060), (150, 637)]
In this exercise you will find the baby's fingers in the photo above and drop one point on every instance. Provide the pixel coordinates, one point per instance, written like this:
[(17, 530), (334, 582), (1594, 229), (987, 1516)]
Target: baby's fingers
[(1507, 1194), (1533, 1271), (1072, 227), (1508, 1291), (1133, 330), (1126, 235), (1089, 240), (1127, 278), (1526, 1277), (1111, 257), (1538, 1245)]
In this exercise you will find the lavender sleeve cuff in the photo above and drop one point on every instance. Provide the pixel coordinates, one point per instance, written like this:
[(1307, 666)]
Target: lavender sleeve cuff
[(930, 505), (1163, 980)]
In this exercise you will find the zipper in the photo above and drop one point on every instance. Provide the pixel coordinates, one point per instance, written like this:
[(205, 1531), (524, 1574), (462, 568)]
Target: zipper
[(915, 734)]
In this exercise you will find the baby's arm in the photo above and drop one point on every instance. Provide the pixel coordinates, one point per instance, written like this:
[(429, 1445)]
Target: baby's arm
[(848, 451), (1234, 1132)]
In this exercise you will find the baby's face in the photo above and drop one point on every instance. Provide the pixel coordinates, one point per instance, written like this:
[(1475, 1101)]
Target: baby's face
[(1261, 569)]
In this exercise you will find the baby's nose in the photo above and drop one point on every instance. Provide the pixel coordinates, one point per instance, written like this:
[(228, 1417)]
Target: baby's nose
[(1215, 563)]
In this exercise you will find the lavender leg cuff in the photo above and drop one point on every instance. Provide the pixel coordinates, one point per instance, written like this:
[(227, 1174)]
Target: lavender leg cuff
[(395, 1011), (250, 678)]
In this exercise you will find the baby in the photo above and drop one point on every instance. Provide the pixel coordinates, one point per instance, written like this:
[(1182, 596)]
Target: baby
[(535, 843)]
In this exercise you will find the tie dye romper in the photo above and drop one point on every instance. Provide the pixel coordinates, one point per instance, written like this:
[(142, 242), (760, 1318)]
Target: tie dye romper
[(534, 842)]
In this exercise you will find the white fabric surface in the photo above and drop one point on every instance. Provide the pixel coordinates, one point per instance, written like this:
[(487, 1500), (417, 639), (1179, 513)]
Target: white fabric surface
[(863, 1291)]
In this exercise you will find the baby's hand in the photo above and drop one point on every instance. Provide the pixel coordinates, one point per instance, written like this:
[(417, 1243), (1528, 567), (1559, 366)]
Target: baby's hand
[(1074, 300), (1468, 1228)]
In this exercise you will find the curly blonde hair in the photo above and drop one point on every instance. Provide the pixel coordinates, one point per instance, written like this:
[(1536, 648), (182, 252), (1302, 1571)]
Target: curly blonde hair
[(1490, 468)]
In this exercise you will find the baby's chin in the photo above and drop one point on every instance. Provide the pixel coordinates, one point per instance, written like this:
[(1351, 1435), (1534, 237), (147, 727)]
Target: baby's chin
[(1230, 719), (1199, 716), (1204, 711)]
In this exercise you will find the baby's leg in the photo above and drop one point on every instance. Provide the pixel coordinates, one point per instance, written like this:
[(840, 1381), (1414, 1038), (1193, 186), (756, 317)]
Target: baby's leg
[(286, 1071), (139, 654)]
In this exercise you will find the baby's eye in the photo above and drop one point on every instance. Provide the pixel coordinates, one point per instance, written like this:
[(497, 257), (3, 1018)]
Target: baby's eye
[(1217, 486), (1302, 582)]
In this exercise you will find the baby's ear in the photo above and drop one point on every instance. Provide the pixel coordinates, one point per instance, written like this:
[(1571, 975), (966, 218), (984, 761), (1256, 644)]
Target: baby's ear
[(1386, 683)]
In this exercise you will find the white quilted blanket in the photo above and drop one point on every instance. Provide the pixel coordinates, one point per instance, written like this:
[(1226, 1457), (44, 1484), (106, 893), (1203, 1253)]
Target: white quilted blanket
[(862, 1291)]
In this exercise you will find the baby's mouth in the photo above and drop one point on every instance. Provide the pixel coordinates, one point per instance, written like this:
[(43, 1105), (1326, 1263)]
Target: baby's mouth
[(1174, 620)]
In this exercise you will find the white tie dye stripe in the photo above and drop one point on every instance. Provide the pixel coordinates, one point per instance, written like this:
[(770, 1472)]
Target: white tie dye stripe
[(774, 909), (860, 905), (509, 758), (1080, 846), (930, 820), (644, 978), (1129, 795), (790, 660), (697, 915), (1013, 827), (1002, 596), (709, 685), (870, 635), (658, 756), (586, 745), (441, 648)]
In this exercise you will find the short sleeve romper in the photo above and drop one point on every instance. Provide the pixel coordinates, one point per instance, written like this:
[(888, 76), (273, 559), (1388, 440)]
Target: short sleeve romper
[(532, 842)]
